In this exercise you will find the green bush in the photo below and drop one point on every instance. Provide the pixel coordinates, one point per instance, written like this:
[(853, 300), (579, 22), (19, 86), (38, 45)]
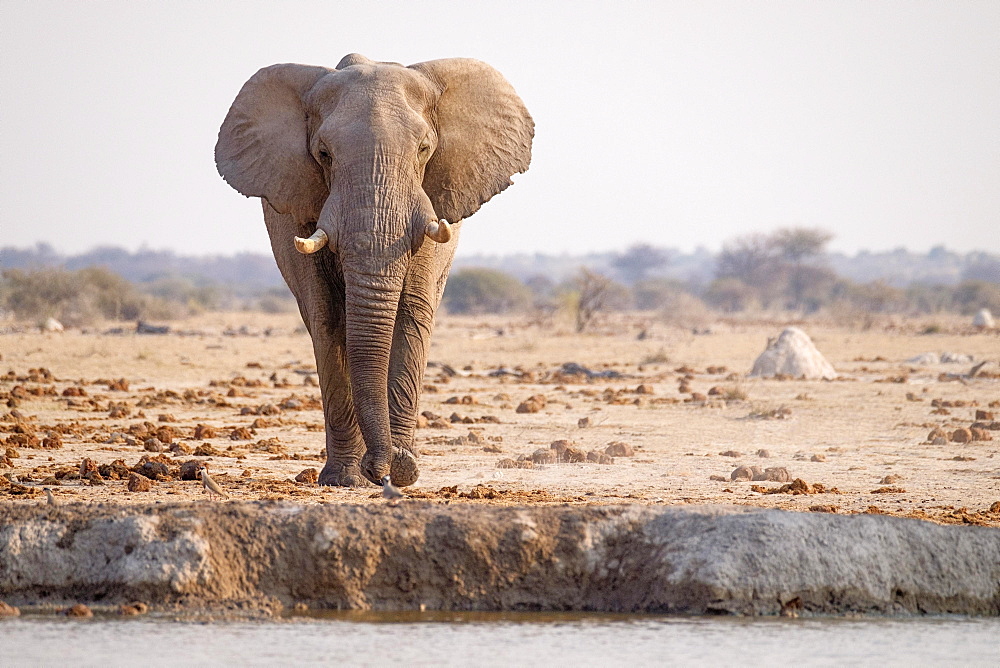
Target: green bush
[(476, 291)]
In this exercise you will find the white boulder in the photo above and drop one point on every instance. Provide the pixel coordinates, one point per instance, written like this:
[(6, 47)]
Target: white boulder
[(792, 354), (52, 325), (984, 319)]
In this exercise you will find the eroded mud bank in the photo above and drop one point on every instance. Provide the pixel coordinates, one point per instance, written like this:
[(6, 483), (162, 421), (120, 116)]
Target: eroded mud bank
[(692, 560)]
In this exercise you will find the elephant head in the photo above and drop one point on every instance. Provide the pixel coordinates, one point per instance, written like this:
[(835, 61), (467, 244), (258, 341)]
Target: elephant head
[(372, 161)]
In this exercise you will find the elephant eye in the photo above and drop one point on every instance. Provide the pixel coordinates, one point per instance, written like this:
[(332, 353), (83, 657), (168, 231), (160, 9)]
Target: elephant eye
[(323, 154)]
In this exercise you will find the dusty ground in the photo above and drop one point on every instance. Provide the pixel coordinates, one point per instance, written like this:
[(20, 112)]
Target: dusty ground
[(860, 442)]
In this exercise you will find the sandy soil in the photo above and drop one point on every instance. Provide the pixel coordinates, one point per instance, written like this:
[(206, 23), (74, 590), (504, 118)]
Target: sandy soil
[(860, 443)]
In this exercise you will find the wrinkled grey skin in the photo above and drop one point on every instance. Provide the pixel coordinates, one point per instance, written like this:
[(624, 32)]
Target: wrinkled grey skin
[(371, 153)]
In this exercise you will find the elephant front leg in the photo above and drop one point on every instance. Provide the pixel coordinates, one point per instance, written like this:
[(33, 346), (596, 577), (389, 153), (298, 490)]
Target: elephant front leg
[(410, 345), (344, 443)]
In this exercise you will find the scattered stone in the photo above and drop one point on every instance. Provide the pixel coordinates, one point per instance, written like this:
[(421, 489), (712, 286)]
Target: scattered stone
[(793, 354), (824, 508), (7, 610), (190, 468), (645, 388), (718, 478), (203, 431), (935, 433), (207, 450), (544, 456), (889, 490), (731, 453), (120, 385), (78, 610), (764, 454), (818, 458), (152, 445), (599, 457), (961, 435), (532, 404), (775, 474), (508, 463), (619, 449), (240, 434), (94, 479), (308, 476), (583, 422), (180, 448), (134, 608), (139, 483), (741, 474), (890, 480)]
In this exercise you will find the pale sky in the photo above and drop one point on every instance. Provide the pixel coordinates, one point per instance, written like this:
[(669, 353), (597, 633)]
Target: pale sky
[(680, 124)]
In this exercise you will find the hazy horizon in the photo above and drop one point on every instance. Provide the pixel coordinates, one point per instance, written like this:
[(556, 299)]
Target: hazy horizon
[(680, 124)]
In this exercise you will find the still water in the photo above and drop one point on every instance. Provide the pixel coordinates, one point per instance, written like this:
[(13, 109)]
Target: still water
[(498, 639)]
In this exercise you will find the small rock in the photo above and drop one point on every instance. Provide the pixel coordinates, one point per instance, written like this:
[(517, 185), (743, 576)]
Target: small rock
[(979, 434), (583, 422), (134, 608), (741, 474), (764, 454), (308, 476), (818, 458), (152, 445), (599, 457), (936, 432), (961, 435), (543, 456), (78, 610), (94, 479), (139, 483), (573, 456), (939, 440), (731, 453), (619, 449), (777, 474), (203, 431), (207, 450), (240, 434), (890, 480), (645, 388), (7, 610), (718, 478), (189, 469)]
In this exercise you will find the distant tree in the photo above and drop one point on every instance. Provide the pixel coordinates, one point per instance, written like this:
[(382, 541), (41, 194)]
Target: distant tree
[(748, 259), (477, 290), (729, 295), (638, 261), (655, 293), (796, 244), (985, 269), (591, 293)]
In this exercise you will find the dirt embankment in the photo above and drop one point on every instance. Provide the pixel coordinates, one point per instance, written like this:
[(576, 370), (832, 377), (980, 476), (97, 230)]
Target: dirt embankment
[(419, 555)]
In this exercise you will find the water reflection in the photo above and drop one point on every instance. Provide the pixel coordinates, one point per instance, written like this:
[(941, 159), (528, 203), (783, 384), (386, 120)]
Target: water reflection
[(500, 639)]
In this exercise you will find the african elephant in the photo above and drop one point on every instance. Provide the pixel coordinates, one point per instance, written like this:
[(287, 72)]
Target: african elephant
[(365, 173)]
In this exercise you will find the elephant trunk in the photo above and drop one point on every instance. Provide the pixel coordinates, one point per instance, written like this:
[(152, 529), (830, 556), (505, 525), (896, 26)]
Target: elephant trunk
[(371, 304)]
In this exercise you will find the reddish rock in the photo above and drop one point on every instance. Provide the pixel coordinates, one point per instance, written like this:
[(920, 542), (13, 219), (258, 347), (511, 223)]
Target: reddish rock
[(599, 457), (134, 608), (308, 476), (961, 435), (78, 610), (139, 483), (203, 431), (189, 469)]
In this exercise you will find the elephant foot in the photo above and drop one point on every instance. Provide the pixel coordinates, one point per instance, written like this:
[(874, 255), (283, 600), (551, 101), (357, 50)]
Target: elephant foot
[(335, 474), (403, 469)]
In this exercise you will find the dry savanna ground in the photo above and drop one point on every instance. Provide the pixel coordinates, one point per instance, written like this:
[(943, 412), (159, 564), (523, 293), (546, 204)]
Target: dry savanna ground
[(664, 416)]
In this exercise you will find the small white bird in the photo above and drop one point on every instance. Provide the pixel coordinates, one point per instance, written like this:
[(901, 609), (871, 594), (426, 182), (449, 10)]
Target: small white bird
[(51, 496), (210, 485), (390, 491)]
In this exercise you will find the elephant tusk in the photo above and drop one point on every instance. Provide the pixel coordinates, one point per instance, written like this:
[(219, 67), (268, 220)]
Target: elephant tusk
[(439, 231), (314, 243)]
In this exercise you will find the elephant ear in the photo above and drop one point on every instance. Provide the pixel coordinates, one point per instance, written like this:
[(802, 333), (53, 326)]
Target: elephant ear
[(484, 136), (263, 145)]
